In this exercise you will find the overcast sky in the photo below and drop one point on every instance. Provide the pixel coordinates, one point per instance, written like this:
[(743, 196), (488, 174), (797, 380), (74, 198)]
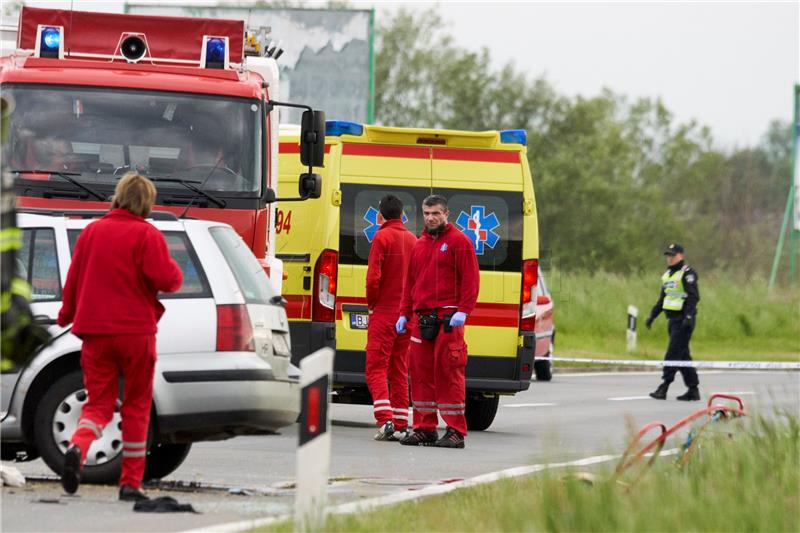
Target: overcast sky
[(729, 65)]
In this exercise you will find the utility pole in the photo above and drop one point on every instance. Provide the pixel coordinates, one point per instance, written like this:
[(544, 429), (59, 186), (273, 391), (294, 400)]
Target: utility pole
[(792, 210)]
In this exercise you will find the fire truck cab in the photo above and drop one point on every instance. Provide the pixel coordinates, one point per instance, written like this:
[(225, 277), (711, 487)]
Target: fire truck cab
[(95, 95)]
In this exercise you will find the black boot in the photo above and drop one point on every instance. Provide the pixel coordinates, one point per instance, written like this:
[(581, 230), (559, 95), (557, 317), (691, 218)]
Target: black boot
[(71, 474), (691, 395), (661, 392), (131, 494)]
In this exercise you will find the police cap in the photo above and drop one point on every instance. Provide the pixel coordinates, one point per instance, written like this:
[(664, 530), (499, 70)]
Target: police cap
[(673, 249)]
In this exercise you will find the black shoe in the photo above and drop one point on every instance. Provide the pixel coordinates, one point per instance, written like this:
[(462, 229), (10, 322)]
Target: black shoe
[(130, 494), (661, 392), (451, 439), (71, 475), (691, 395), (420, 437)]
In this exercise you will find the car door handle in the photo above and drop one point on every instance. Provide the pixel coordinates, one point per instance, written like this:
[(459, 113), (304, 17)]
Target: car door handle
[(355, 308), (44, 320)]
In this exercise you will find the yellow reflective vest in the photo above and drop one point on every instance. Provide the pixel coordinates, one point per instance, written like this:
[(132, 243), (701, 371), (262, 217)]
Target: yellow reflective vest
[(674, 293)]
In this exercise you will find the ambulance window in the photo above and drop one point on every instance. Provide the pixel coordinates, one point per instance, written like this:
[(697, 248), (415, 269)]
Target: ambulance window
[(492, 220), (360, 218)]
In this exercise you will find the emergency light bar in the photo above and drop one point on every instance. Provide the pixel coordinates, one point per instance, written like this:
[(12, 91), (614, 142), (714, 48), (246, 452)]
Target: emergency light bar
[(334, 128), (215, 52), (49, 41), (514, 137)]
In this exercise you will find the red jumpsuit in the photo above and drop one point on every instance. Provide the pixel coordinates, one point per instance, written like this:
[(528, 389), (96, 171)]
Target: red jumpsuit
[(120, 264), (387, 352), (443, 277)]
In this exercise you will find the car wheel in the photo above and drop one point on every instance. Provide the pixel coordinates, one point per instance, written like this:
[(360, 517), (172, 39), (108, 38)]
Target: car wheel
[(55, 421), (480, 412), (164, 458)]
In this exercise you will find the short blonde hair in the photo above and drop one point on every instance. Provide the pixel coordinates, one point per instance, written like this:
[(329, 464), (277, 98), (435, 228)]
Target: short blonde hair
[(135, 193)]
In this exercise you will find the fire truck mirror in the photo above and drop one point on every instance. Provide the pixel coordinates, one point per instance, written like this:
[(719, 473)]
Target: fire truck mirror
[(312, 139), (310, 186), (271, 196)]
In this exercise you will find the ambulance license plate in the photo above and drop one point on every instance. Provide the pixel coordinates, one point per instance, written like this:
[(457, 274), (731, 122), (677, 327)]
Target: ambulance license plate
[(358, 321)]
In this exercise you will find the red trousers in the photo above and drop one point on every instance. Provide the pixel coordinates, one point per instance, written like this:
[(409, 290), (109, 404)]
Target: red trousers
[(103, 358), (387, 370), (437, 379)]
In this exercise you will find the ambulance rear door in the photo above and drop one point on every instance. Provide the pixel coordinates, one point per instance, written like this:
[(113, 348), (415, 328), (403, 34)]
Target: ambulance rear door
[(484, 188), (369, 171)]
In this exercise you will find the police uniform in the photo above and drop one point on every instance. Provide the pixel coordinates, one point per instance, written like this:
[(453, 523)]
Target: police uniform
[(678, 299)]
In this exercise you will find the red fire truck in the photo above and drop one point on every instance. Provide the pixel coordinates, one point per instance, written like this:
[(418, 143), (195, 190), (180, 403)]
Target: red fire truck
[(189, 102)]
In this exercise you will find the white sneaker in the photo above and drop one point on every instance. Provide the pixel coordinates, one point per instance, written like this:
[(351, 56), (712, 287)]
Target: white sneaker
[(385, 432), (401, 434)]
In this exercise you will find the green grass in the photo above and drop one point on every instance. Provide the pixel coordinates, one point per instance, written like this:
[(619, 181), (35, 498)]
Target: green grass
[(735, 320), (743, 477)]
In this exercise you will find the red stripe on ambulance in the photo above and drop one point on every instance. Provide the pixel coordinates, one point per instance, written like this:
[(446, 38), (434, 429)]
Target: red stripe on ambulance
[(489, 156)]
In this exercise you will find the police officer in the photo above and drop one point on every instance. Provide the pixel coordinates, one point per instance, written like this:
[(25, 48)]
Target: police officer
[(678, 299)]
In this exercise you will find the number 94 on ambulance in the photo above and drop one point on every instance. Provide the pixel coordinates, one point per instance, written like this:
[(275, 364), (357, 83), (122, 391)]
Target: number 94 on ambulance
[(325, 242)]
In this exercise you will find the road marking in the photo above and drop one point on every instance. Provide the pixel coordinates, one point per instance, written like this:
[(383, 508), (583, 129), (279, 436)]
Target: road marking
[(528, 404), (431, 490), (626, 398)]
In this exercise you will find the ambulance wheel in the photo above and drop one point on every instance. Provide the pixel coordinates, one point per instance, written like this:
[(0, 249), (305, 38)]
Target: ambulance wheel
[(480, 412), (164, 458), (55, 421), (543, 368)]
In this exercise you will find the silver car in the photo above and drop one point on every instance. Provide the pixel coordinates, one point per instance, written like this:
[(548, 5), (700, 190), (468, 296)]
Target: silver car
[(223, 352)]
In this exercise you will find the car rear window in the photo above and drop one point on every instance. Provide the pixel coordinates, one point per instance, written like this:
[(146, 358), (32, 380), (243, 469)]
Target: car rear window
[(195, 284), (249, 274), (37, 263)]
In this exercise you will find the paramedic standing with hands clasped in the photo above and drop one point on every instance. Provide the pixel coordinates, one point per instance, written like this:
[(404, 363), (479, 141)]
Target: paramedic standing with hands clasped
[(441, 289), (387, 350), (120, 263)]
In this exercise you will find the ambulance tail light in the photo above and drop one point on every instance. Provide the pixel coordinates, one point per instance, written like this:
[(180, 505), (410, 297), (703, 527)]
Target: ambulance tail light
[(530, 277), (234, 330), (325, 277)]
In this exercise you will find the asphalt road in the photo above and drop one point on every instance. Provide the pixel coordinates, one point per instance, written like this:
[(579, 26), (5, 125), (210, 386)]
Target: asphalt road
[(574, 416)]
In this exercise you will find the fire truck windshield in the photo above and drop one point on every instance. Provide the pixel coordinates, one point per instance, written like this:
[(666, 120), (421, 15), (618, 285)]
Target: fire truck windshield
[(96, 135)]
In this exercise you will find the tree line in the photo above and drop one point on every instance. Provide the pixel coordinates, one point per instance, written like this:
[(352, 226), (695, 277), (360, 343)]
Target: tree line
[(616, 179)]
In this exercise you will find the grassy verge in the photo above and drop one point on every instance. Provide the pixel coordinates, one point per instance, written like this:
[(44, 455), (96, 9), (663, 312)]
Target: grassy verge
[(736, 320), (747, 479)]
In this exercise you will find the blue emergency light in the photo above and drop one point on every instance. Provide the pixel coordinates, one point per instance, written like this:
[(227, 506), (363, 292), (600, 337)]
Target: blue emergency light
[(215, 52), (49, 42), (334, 128), (514, 137)]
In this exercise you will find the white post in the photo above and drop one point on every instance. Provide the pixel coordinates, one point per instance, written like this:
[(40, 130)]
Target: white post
[(314, 447), (632, 314)]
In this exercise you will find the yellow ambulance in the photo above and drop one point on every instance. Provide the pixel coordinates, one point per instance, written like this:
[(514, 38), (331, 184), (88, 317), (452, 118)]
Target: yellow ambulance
[(324, 244)]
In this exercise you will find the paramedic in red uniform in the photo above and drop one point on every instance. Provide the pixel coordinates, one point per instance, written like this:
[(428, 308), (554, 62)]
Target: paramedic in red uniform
[(441, 289), (120, 264), (387, 350)]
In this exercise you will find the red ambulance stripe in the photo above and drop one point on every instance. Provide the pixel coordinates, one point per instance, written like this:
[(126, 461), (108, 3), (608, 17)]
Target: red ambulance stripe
[(484, 314), (385, 150), (489, 156), (298, 306), (292, 148)]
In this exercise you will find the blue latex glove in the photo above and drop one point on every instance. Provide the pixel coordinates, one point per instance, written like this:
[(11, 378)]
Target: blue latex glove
[(458, 319), (400, 327)]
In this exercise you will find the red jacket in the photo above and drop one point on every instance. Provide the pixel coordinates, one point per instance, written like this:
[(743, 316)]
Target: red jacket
[(120, 263), (388, 263), (443, 272)]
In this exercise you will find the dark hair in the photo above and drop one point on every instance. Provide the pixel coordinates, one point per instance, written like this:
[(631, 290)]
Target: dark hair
[(435, 199), (391, 207)]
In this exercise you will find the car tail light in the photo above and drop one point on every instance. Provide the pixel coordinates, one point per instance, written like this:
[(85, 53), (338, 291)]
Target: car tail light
[(234, 330), (530, 277), (325, 275)]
